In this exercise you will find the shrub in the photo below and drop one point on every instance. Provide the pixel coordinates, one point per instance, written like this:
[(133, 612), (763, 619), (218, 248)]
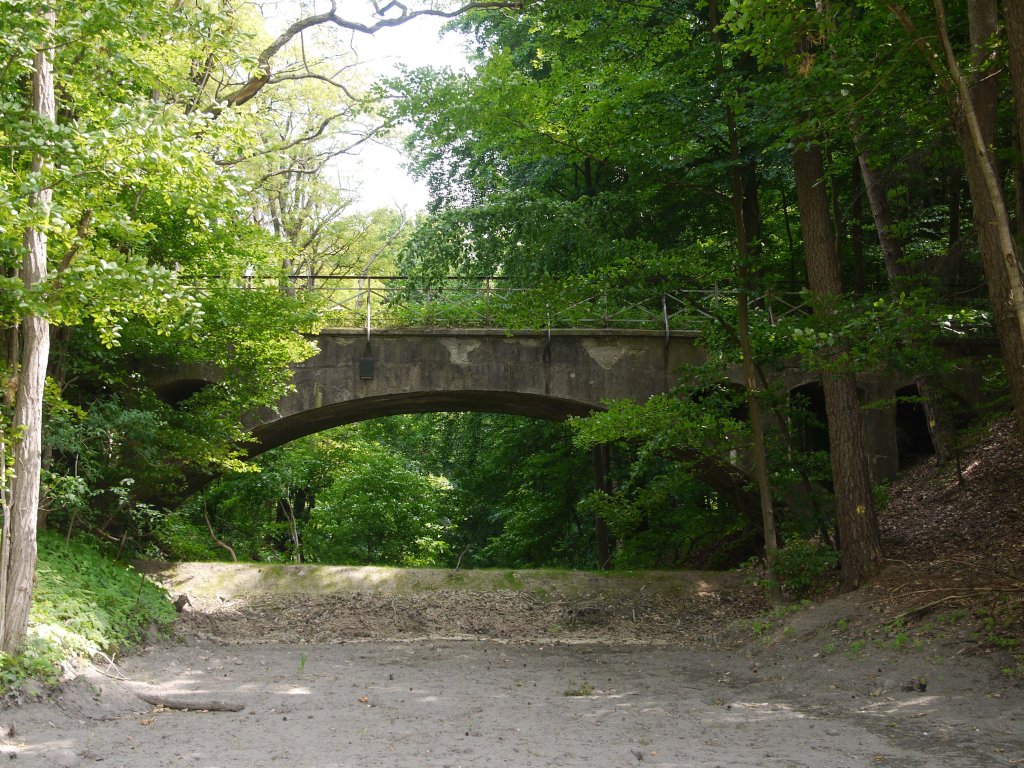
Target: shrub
[(803, 566), (84, 603)]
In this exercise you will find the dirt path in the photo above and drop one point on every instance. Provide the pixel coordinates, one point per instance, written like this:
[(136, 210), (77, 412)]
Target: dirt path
[(374, 691)]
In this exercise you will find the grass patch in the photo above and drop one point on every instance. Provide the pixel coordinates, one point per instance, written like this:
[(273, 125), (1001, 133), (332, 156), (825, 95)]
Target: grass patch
[(583, 689), (84, 603), (765, 623)]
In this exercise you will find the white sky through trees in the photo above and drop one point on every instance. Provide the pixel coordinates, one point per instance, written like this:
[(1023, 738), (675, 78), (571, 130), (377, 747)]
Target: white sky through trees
[(375, 169)]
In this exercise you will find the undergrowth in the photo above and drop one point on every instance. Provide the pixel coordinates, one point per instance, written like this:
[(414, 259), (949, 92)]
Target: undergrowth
[(84, 604)]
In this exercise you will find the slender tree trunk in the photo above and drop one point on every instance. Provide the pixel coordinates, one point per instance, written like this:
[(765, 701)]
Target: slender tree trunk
[(1018, 191), (956, 240), (746, 216), (881, 213), (939, 426), (857, 228), (1013, 15), (855, 512), (602, 460), (973, 104), (19, 570)]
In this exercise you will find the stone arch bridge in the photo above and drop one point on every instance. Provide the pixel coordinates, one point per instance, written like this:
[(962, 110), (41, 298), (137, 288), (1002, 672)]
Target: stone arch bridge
[(546, 374)]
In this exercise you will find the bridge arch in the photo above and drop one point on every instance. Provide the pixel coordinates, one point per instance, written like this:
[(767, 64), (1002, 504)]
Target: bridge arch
[(278, 431), (527, 373), (550, 374)]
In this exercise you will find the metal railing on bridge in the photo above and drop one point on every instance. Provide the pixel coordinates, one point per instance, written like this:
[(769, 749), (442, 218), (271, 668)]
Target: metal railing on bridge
[(386, 301)]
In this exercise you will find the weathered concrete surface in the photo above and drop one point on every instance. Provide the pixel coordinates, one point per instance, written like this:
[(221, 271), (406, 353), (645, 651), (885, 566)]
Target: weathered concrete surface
[(568, 373), (527, 373)]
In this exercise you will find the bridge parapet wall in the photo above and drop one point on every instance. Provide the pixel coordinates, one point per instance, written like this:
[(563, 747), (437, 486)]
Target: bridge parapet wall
[(550, 375), (531, 373)]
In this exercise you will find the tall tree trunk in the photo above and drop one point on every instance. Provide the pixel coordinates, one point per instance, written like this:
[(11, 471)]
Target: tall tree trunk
[(857, 228), (973, 104), (602, 462), (19, 551), (747, 222), (881, 213), (974, 116), (1013, 15), (855, 511), (937, 417), (956, 241)]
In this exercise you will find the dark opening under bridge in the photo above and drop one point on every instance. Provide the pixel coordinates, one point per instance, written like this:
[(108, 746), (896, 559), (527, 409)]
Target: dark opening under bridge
[(632, 351)]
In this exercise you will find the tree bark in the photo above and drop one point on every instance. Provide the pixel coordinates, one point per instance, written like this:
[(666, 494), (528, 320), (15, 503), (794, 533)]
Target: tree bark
[(19, 569), (855, 513), (1013, 15), (972, 104), (747, 223), (956, 241), (974, 116), (602, 460), (857, 228), (881, 213), (190, 703), (937, 418)]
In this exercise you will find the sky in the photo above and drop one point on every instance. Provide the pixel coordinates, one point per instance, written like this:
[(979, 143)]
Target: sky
[(383, 182), (377, 169)]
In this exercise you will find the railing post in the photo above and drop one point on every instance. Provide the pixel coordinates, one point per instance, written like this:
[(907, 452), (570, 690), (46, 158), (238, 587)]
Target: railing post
[(369, 301), (604, 306), (664, 316), (487, 302)]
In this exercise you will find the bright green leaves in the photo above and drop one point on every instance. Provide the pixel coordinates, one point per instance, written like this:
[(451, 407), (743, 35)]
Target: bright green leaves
[(85, 603), (665, 423), (378, 510), (904, 333)]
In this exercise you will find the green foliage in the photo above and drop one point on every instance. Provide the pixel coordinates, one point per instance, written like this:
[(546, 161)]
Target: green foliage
[(802, 566), (84, 603), (765, 623), (176, 535), (379, 511), (581, 689)]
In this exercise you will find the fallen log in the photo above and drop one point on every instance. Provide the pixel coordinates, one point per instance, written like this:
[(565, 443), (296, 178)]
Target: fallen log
[(192, 703)]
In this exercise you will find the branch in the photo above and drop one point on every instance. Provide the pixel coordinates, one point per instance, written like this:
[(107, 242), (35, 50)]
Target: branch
[(189, 703), (930, 56), (256, 83), (313, 76), (234, 559), (286, 146), (293, 168), (83, 229), (387, 244)]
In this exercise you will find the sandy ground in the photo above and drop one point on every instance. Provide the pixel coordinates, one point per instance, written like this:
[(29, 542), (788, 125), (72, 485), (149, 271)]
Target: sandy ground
[(808, 690)]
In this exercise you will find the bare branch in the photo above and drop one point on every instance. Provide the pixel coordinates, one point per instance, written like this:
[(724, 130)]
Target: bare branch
[(313, 76), (286, 146), (256, 83), (305, 169)]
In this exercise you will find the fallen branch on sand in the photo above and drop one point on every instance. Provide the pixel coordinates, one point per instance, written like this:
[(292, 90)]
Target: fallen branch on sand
[(190, 703)]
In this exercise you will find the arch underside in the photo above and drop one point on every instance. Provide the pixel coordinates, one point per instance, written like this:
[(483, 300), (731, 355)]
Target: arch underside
[(730, 481), (277, 431)]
